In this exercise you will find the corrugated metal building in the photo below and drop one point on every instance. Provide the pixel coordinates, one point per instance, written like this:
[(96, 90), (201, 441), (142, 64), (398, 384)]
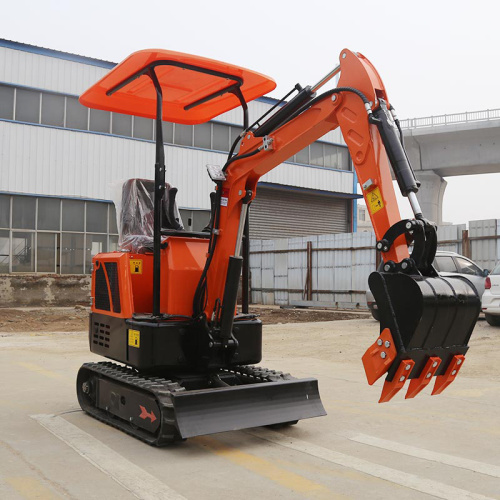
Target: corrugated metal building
[(58, 161)]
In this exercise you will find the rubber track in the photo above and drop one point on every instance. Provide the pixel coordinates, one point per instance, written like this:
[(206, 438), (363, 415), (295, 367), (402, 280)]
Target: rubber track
[(161, 389), (158, 387)]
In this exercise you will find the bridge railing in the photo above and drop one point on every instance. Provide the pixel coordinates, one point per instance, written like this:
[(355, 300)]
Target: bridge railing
[(439, 120)]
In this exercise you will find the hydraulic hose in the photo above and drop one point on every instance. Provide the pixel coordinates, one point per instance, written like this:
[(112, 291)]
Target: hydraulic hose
[(326, 94)]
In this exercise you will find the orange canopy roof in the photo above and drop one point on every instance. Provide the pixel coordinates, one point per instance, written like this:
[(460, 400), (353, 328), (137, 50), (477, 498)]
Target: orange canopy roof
[(186, 81)]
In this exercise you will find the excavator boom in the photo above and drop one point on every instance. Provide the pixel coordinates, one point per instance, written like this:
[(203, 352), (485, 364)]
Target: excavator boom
[(422, 314)]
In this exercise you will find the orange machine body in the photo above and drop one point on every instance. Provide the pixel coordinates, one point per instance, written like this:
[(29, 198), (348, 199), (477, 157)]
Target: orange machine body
[(176, 336), (122, 283)]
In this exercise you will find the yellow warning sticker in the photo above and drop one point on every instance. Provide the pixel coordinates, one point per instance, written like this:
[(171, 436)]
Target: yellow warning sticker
[(134, 338), (374, 199), (136, 266)]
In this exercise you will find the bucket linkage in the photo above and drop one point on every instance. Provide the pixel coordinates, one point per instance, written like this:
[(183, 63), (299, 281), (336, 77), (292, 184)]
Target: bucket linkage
[(425, 320)]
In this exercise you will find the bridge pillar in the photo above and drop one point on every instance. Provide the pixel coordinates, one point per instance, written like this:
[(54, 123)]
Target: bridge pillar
[(430, 195), (431, 192)]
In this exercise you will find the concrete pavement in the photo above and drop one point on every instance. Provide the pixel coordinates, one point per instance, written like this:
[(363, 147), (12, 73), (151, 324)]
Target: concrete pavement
[(431, 447)]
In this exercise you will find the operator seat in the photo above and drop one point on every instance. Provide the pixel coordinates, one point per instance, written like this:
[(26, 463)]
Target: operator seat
[(137, 214)]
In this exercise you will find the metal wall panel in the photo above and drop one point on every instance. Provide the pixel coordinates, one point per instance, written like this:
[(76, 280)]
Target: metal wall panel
[(347, 261), (60, 75), (277, 212), (484, 252), (451, 233), (343, 266), (51, 161), (49, 73), (311, 178)]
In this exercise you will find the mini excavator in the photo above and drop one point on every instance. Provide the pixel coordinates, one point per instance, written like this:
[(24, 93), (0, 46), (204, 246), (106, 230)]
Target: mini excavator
[(164, 305)]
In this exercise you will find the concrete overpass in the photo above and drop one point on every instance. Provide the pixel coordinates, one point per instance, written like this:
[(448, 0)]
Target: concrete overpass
[(448, 145)]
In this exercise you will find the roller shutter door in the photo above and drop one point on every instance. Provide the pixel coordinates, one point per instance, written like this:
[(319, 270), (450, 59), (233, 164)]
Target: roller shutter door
[(279, 213)]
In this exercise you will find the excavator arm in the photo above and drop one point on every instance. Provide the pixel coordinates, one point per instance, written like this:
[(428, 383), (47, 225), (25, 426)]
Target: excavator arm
[(426, 321)]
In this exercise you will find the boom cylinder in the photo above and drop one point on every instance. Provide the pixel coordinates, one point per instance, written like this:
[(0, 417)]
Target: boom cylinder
[(395, 150)]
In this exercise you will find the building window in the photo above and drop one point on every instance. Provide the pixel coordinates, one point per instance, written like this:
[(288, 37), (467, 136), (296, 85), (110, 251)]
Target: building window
[(4, 210), (77, 116), (316, 153), (27, 106), (183, 135), (53, 235), (97, 217), (121, 125), (331, 156), (303, 156), (4, 251), (61, 110), (143, 128), (168, 132), (202, 135), (6, 102), (112, 219), (23, 212), (23, 252), (53, 109), (220, 137), (73, 215), (99, 121), (49, 214), (72, 253), (94, 244), (46, 252)]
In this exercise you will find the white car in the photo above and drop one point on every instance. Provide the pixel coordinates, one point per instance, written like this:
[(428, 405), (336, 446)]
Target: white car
[(451, 264), (490, 303)]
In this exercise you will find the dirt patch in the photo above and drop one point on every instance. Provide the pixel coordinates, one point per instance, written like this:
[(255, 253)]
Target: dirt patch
[(44, 319), (75, 319), (276, 316)]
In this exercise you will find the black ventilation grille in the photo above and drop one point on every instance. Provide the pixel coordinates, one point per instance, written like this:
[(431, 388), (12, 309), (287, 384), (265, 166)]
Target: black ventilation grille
[(101, 333), (112, 270), (101, 291)]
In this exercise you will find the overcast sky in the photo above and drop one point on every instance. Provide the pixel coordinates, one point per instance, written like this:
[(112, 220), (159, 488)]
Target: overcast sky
[(435, 57)]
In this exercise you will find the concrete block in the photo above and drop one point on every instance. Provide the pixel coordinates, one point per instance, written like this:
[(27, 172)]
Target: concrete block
[(19, 290)]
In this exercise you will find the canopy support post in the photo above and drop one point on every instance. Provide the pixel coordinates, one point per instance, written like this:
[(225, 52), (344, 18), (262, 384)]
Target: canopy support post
[(159, 192)]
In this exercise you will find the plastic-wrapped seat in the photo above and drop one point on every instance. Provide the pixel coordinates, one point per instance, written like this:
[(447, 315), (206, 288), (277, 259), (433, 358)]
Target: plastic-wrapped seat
[(136, 220)]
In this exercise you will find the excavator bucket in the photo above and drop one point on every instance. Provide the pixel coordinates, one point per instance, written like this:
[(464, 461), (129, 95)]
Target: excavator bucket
[(425, 324)]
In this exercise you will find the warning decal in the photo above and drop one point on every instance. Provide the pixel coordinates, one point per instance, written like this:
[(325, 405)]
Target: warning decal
[(134, 338), (224, 197), (135, 266), (374, 199)]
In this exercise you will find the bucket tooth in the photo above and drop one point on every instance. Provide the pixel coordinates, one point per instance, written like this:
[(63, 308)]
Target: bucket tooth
[(417, 384), (379, 356), (443, 381), (391, 388)]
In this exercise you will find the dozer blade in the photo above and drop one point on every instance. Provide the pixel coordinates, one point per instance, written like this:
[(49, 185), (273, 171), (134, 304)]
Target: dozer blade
[(427, 321), (160, 411), (221, 409)]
